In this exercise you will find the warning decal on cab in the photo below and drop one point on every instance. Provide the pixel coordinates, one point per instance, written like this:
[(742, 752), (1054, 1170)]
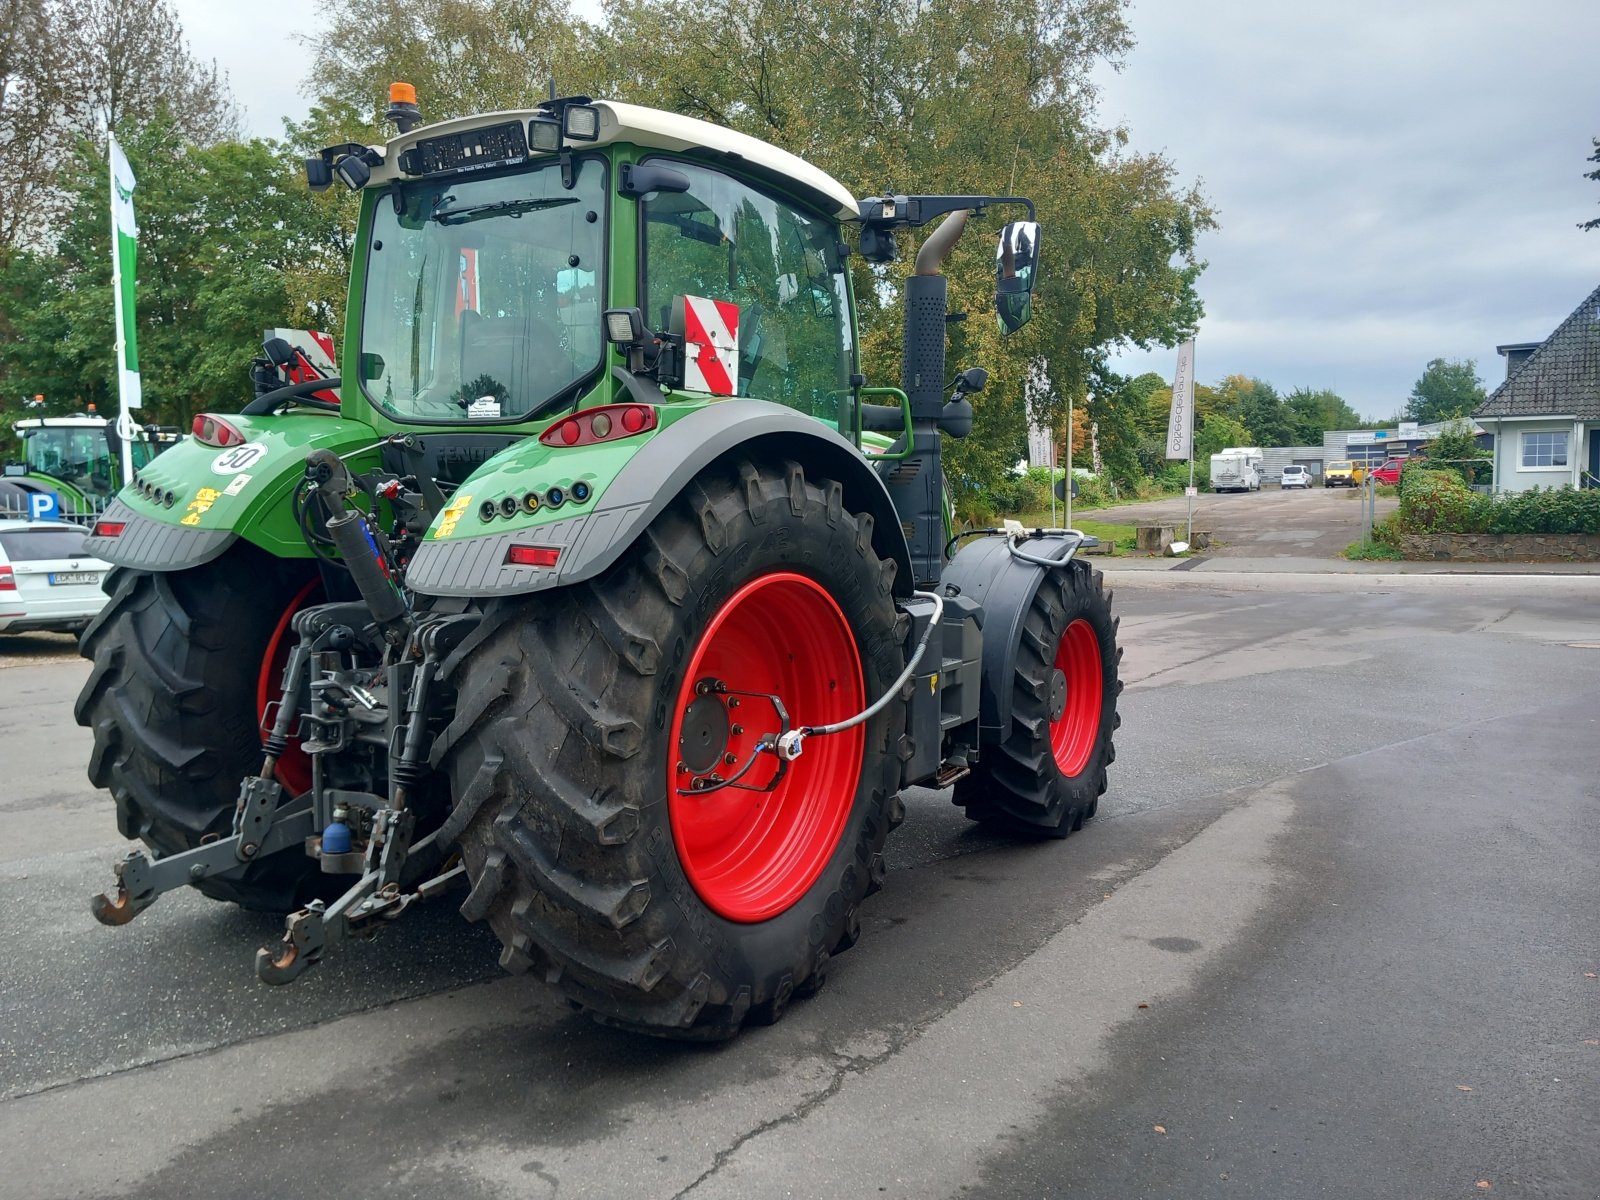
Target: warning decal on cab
[(710, 345)]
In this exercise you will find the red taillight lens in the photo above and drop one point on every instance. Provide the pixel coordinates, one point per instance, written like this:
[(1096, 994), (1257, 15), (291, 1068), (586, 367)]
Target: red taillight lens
[(604, 424), (8, 581), (533, 556), (108, 528), (214, 431)]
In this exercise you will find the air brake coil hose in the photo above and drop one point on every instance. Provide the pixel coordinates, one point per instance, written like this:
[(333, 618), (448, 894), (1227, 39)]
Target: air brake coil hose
[(788, 746)]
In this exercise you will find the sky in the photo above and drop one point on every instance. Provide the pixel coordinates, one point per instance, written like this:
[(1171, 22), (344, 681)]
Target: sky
[(1395, 181)]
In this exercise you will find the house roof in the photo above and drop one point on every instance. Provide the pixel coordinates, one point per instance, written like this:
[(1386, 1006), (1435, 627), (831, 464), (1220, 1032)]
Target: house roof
[(1561, 377)]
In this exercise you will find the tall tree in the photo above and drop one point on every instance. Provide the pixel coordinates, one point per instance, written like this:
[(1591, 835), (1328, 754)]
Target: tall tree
[(1313, 412), (1447, 389), (1593, 222)]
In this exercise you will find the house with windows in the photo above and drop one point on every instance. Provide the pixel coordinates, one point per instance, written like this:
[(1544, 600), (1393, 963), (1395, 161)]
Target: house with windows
[(1545, 417)]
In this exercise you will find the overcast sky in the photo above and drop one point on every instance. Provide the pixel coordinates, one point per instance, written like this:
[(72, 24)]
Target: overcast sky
[(1396, 181)]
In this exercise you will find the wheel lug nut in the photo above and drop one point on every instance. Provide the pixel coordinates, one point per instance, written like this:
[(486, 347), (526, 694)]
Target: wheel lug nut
[(729, 759), (737, 729)]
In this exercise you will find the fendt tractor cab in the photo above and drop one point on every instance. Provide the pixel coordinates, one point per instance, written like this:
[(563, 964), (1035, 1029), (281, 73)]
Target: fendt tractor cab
[(79, 458), (608, 590)]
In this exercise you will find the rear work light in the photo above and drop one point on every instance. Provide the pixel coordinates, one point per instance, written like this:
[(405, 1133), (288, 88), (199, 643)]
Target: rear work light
[(606, 423), (533, 556), (211, 430), (108, 528)]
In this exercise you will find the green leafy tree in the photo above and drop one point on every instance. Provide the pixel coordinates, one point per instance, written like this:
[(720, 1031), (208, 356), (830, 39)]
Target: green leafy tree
[(1257, 405), (221, 229), (1446, 389), (1456, 449), (1312, 413)]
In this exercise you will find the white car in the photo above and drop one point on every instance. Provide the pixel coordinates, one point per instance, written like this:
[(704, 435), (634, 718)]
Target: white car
[(1295, 476), (46, 579)]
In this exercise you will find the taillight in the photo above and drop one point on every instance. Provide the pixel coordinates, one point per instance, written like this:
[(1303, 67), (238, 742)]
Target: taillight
[(533, 556), (604, 424), (215, 431), (8, 581), (108, 528)]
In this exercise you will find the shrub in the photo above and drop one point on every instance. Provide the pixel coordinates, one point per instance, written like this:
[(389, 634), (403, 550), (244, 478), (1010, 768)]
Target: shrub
[(1434, 502), (1437, 502)]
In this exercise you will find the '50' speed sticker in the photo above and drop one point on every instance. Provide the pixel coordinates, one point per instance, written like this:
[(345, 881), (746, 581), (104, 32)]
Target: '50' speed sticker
[(238, 458)]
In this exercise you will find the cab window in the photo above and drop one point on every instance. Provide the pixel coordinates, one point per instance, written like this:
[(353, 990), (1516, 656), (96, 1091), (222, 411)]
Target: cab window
[(725, 240)]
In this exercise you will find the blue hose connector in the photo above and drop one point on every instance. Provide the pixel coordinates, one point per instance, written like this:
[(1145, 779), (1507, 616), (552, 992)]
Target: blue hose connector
[(336, 838)]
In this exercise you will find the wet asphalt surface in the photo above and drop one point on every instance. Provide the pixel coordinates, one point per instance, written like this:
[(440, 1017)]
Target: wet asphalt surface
[(1332, 934)]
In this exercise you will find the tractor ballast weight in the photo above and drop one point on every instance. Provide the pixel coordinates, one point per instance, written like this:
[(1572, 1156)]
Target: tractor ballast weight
[(643, 664)]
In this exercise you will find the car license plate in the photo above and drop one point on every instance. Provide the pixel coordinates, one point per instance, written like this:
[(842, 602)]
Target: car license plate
[(65, 577)]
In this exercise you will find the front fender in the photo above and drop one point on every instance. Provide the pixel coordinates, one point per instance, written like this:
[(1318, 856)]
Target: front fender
[(633, 481), (193, 501)]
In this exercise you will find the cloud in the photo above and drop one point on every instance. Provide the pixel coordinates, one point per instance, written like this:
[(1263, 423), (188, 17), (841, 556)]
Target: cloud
[(1395, 182)]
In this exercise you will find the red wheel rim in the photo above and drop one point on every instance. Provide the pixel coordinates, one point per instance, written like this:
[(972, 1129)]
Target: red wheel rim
[(750, 855), (294, 768), (1074, 731)]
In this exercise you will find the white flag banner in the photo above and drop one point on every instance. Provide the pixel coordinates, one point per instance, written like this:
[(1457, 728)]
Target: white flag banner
[(1035, 396), (124, 252), (1180, 425)]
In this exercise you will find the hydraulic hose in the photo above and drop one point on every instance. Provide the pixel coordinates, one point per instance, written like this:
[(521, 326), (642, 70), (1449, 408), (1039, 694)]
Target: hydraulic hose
[(788, 745)]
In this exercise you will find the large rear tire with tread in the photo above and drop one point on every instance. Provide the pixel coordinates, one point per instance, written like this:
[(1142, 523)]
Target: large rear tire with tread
[(172, 703), (1047, 776), (586, 717)]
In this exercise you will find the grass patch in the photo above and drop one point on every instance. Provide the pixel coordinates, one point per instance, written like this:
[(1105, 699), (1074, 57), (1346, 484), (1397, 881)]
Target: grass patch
[(1372, 551), (1106, 531)]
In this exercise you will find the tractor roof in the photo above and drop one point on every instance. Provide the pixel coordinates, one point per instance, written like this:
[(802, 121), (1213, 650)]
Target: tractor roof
[(666, 131), (79, 421)]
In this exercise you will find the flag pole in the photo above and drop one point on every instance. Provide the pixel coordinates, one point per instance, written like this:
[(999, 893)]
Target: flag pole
[(1188, 494), (124, 244)]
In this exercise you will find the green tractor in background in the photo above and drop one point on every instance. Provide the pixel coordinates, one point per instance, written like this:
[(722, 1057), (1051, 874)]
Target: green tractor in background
[(608, 590), (79, 458)]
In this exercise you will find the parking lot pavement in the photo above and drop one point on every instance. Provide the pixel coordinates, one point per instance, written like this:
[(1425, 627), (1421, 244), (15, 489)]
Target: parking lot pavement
[(1331, 933), (1316, 523)]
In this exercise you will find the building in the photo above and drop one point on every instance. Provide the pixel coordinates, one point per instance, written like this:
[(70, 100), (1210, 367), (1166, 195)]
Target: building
[(1367, 447), (1545, 417)]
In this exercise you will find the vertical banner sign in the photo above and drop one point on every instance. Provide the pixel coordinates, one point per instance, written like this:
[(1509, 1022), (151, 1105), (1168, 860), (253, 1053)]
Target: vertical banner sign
[(124, 251), (1180, 425), (1035, 393)]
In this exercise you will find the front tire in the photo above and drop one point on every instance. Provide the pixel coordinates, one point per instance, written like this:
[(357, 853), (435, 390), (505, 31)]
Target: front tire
[(172, 701), (1046, 778), (587, 716)]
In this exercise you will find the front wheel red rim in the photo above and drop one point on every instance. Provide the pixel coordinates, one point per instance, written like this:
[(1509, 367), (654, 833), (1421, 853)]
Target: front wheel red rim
[(1075, 715), (752, 854)]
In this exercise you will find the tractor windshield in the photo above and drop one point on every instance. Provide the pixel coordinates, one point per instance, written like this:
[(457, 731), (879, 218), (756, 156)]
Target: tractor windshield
[(75, 454), (483, 294)]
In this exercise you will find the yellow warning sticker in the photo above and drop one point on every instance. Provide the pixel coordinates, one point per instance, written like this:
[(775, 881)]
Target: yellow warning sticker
[(451, 514)]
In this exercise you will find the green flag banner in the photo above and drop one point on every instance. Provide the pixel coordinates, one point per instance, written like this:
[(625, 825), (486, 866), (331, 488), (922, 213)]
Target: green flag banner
[(124, 250)]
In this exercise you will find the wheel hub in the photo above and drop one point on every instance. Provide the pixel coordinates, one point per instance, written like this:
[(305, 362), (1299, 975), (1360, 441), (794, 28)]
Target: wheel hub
[(1058, 693), (703, 737)]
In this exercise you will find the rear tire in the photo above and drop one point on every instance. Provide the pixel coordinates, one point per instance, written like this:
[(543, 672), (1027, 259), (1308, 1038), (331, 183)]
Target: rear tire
[(583, 842), (1046, 778), (172, 703)]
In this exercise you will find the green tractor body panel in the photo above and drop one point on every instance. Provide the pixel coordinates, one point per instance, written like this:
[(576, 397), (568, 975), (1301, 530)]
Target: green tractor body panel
[(242, 490)]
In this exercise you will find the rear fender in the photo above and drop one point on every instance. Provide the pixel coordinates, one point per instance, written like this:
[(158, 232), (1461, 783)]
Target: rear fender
[(219, 496), (465, 556), (986, 571)]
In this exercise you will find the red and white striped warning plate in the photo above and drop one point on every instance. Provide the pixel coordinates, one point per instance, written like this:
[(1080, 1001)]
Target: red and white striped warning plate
[(710, 345)]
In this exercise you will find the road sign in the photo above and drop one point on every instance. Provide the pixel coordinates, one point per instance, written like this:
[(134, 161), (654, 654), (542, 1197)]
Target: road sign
[(1191, 491), (44, 506)]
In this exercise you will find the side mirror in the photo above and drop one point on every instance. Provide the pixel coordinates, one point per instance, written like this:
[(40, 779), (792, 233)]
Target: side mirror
[(1016, 266)]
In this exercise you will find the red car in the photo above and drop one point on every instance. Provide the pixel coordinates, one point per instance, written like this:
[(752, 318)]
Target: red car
[(1390, 471)]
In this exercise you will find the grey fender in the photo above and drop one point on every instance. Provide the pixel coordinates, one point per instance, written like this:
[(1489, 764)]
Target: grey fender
[(150, 545), (653, 478), (986, 571)]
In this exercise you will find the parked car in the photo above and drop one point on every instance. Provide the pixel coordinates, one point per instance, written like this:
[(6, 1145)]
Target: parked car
[(1389, 473), (46, 579), (1295, 476), (1343, 473)]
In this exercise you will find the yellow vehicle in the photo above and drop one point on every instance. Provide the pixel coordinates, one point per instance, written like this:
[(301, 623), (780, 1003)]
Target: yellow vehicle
[(1343, 473)]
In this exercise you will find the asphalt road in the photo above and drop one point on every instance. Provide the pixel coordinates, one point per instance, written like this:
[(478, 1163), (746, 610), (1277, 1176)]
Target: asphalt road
[(1331, 935), (1313, 522)]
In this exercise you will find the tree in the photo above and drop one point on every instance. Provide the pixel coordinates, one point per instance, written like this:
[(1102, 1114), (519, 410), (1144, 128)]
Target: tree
[(1456, 449), (1313, 413), (72, 69), (222, 229), (1594, 222), (1259, 408), (1447, 389)]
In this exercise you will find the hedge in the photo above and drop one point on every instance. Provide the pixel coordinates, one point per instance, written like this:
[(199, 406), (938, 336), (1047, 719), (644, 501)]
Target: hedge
[(1435, 501)]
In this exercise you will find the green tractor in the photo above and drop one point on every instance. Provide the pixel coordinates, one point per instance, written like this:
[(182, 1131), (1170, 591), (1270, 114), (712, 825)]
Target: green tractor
[(608, 591), (79, 458)]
